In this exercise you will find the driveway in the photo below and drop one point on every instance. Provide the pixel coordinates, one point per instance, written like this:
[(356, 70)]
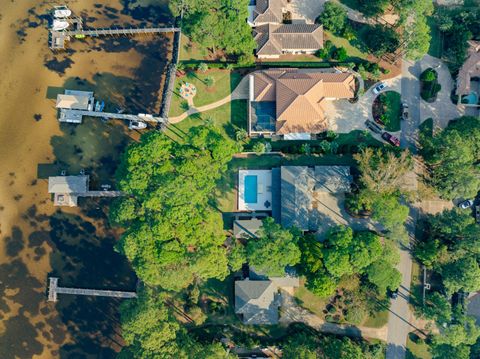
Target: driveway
[(344, 116), (330, 211), (442, 110)]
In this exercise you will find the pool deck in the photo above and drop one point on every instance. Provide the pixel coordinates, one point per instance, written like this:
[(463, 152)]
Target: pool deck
[(264, 190)]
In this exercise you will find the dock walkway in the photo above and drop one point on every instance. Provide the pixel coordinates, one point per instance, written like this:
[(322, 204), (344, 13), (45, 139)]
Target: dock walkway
[(54, 289), (76, 116)]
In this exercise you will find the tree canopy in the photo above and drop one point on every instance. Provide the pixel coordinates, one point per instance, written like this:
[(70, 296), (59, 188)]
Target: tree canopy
[(274, 249), (453, 156), (172, 233), (217, 24), (333, 17), (344, 253)]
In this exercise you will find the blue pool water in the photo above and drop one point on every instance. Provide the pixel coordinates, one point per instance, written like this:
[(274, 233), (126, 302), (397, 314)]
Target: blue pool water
[(250, 189), (472, 98)]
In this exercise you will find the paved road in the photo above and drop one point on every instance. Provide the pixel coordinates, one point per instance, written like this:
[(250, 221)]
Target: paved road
[(400, 316)]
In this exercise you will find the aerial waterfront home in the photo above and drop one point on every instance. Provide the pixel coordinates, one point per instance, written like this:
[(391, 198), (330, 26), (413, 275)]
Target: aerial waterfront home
[(290, 102), (274, 37), (293, 195)]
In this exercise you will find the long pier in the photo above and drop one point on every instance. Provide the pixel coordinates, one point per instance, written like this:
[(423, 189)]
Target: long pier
[(59, 38), (54, 290), (76, 116)]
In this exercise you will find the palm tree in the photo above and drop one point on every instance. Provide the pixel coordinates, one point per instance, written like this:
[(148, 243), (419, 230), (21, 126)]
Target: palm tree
[(241, 134), (203, 67), (209, 81)]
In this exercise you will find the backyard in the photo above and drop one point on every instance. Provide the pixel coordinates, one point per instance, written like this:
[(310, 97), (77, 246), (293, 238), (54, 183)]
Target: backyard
[(224, 82)]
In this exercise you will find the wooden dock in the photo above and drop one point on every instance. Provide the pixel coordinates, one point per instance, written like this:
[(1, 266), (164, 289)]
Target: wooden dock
[(76, 116), (54, 290), (58, 39)]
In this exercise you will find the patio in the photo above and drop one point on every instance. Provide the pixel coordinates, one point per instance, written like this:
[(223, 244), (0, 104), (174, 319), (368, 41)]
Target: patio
[(254, 190)]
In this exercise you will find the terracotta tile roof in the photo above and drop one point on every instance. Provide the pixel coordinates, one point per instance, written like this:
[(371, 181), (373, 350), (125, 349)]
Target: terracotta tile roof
[(471, 68), (300, 96), (272, 39)]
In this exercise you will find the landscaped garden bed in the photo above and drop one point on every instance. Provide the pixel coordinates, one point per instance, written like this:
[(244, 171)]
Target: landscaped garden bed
[(429, 86), (387, 110)]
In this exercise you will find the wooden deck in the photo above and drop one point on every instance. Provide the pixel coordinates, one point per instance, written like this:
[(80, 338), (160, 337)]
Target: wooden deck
[(54, 290)]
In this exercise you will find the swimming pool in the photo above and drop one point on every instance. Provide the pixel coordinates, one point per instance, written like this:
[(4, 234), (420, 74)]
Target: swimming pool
[(250, 193)]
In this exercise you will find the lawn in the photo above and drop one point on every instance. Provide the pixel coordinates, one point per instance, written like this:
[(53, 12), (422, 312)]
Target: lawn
[(387, 108), (227, 118), (354, 52), (310, 301), (189, 51), (225, 81), (418, 349), (378, 320), (416, 283)]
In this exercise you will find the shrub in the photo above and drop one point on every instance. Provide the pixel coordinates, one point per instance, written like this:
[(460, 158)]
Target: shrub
[(340, 54), (259, 148), (428, 75), (203, 67)]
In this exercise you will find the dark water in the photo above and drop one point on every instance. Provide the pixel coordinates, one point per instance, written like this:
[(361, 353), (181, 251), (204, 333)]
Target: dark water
[(77, 244)]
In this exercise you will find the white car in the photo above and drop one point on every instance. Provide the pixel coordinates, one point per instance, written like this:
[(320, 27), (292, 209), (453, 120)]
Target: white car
[(137, 125), (466, 204), (381, 86)]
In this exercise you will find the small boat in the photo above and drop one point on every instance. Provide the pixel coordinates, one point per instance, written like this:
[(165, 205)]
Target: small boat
[(61, 12), (137, 125), (59, 25)]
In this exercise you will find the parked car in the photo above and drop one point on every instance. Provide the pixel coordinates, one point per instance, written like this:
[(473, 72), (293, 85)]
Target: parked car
[(373, 126), (394, 141), (466, 204), (137, 125), (393, 293), (380, 87), (404, 111)]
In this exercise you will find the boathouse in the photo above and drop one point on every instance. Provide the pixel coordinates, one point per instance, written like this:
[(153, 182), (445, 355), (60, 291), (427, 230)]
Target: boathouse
[(67, 189)]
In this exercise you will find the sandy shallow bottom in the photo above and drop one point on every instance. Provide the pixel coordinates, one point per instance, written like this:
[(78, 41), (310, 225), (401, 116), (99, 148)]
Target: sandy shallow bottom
[(38, 240)]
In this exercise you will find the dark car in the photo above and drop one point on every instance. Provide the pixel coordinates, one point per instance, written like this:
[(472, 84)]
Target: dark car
[(393, 293), (404, 111), (373, 126), (391, 139)]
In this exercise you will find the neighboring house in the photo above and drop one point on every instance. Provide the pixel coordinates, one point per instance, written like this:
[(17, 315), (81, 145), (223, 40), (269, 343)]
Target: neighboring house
[(296, 192), (257, 302), (67, 189), (291, 102), (468, 79), (275, 38)]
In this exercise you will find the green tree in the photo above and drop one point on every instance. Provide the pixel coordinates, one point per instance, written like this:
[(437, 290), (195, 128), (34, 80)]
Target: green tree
[(274, 249), (202, 67), (384, 276), (443, 351), (465, 331), (461, 274), (209, 81), (333, 17), (217, 24), (236, 257), (259, 148), (175, 236), (373, 8), (452, 155), (148, 327), (382, 40), (322, 284), (340, 54), (437, 307), (388, 211)]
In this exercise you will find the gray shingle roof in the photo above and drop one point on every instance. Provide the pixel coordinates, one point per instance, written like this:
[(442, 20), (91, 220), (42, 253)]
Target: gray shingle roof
[(333, 179), (272, 39), (68, 184), (246, 228)]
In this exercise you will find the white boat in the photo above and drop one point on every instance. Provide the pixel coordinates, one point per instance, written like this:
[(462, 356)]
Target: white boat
[(59, 25), (137, 125), (61, 12)]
